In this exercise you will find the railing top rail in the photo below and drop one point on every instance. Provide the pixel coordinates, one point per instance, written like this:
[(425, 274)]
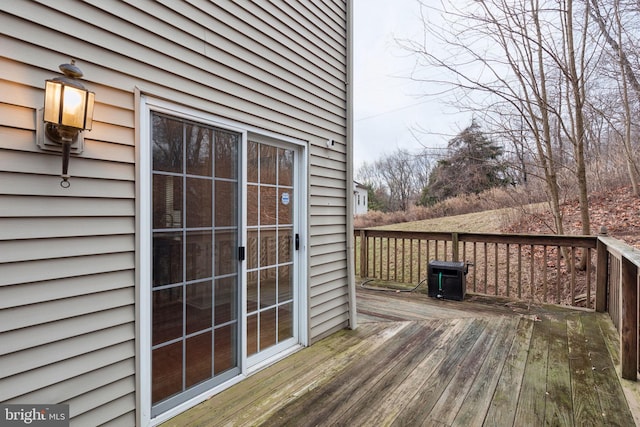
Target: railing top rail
[(621, 249), (525, 239)]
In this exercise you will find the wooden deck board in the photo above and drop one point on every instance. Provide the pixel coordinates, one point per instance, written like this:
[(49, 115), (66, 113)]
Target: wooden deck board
[(559, 406), (531, 403), (586, 404), (607, 386), (423, 402), (385, 407), (418, 361), (453, 397), (504, 401), (305, 381), (333, 400), (477, 403)]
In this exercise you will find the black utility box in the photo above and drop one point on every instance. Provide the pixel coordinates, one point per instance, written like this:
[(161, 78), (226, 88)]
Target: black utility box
[(446, 279)]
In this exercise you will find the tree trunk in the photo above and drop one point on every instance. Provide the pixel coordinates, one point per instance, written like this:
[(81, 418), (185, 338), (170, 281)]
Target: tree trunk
[(546, 152)]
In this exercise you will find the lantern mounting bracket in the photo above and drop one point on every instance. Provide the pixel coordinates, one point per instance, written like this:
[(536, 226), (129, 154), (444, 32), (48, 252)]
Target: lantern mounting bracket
[(45, 143)]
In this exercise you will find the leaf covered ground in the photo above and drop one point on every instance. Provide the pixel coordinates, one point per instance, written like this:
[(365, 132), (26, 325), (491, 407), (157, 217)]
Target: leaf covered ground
[(616, 210)]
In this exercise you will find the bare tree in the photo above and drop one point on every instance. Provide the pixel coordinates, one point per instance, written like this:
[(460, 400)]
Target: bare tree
[(398, 178), (497, 59), (612, 28)]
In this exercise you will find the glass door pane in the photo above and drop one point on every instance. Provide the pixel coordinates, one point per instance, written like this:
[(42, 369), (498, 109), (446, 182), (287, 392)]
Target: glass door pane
[(195, 234), (270, 240)]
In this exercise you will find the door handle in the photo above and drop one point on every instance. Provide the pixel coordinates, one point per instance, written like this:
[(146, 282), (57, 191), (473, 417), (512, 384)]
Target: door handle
[(297, 241)]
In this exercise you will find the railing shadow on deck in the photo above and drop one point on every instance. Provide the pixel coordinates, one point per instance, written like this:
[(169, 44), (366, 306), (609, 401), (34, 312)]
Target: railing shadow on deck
[(536, 268)]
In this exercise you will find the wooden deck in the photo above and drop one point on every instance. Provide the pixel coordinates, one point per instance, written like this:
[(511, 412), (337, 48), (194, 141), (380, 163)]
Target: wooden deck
[(418, 361)]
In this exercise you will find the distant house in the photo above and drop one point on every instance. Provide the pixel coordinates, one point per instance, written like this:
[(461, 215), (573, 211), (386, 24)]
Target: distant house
[(360, 202), (205, 231)]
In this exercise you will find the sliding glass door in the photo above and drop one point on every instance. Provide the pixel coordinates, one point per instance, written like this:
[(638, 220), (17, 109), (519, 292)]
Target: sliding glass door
[(272, 241), (195, 268), (222, 254)]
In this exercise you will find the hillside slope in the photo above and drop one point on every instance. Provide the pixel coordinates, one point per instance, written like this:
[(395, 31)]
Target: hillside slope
[(617, 210)]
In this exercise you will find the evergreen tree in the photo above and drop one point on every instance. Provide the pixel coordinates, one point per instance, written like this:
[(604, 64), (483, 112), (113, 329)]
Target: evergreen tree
[(473, 165)]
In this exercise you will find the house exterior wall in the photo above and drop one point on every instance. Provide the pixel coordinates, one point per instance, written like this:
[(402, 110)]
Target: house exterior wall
[(360, 202), (68, 256)]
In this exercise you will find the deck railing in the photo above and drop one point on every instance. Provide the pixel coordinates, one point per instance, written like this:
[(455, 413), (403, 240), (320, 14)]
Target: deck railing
[(536, 268)]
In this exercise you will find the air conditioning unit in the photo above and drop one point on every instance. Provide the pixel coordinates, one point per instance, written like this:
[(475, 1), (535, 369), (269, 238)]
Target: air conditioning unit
[(447, 279)]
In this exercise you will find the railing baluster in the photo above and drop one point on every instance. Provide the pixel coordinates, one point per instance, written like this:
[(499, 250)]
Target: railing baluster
[(495, 268), (559, 273), (464, 252), (389, 253), (404, 260), (475, 268), (374, 246), (544, 272), (419, 259), (411, 260), (519, 270), (363, 254), (573, 275), (381, 257), (629, 319), (445, 245), (588, 253), (531, 273), (602, 269), (485, 278), (508, 252)]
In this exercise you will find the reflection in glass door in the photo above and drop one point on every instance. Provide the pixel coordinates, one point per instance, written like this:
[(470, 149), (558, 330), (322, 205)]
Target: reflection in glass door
[(270, 246), (195, 267)]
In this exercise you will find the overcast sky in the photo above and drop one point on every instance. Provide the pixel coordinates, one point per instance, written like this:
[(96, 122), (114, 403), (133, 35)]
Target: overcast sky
[(387, 103)]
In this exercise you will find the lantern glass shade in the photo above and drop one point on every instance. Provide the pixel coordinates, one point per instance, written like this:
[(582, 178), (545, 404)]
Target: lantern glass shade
[(67, 105), (88, 118)]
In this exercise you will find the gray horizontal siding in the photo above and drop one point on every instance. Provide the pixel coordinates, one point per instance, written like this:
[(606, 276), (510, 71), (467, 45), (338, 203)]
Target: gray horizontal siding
[(43, 291), (32, 271), (28, 250), (66, 262), (81, 384), (39, 163), (15, 388), (328, 248), (103, 415), (45, 333), (331, 318), (52, 311), (334, 258), (328, 287), (55, 352), (38, 227), (27, 206), (146, 57)]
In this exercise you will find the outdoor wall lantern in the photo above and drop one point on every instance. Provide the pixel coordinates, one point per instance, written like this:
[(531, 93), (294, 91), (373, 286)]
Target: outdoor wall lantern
[(68, 110)]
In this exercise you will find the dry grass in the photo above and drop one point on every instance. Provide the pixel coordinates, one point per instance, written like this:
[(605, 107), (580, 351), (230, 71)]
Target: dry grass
[(490, 221), (490, 200)]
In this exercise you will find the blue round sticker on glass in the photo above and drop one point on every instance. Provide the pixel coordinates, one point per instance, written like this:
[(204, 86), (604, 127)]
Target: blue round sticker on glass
[(285, 198)]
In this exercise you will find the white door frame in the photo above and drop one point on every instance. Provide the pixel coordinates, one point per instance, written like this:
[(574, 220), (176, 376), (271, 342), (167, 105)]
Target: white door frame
[(144, 249), (300, 327)]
